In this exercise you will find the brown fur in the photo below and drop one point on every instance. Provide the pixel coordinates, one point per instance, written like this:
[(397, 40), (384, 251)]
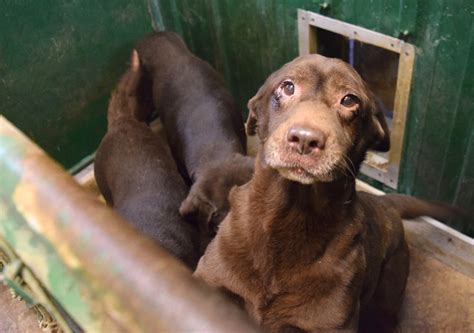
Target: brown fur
[(207, 200), (300, 249), (203, 125), (136, 173)]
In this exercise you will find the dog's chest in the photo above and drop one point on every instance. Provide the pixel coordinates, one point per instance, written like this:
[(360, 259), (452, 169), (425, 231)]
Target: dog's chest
[(303, 297), (301, 278)]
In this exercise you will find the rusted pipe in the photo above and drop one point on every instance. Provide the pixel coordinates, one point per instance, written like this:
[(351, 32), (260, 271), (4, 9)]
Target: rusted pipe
[(133, 284)]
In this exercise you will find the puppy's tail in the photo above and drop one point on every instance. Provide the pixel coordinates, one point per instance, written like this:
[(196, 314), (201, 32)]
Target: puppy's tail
[(131, 98), (410, 207)]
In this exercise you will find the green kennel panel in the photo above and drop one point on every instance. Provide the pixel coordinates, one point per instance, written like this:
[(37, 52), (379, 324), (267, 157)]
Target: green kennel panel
[(58, 62)]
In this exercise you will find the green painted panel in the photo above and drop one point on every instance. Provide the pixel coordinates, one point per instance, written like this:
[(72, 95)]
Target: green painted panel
[(247, 40), (58, 62), (13, 227), (390, 17), (368, 13), (441, 119), (465, 188)]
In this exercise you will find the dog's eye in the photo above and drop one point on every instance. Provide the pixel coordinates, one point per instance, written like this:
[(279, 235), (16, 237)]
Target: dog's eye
[(288, 88), (350, 101)]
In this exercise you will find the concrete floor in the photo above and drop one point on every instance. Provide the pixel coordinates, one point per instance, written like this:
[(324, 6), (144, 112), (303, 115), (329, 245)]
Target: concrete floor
[(438, 298), (15, 316)]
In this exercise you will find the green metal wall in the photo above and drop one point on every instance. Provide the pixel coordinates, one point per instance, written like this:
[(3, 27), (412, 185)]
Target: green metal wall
[(60, 59), (247, 40), (58, 62)]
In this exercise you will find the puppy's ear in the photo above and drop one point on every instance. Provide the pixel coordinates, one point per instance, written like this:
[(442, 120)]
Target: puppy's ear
[(251, 126), (382, 133), (256, 121), (135, 61)]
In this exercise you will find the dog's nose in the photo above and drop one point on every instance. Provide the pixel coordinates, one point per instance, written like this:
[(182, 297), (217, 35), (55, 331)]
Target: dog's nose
[(306, 140)]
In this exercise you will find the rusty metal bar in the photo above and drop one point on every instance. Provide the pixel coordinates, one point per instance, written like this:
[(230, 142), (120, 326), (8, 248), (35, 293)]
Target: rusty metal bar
[(107, 276)]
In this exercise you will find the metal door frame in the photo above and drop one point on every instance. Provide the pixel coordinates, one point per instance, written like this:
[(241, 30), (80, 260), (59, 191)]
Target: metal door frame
[(375, 165)]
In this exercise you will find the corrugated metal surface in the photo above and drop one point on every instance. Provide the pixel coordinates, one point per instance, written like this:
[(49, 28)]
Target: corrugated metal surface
[(247, 40), (58, 62)]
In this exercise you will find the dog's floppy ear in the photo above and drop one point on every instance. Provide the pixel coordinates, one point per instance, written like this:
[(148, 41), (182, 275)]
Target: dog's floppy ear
[(382, 133), (253, 104), (256, 119)]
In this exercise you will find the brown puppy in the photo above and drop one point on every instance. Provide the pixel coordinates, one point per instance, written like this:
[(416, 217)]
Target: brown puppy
[(300, 248), (203, 125), (136, 173)]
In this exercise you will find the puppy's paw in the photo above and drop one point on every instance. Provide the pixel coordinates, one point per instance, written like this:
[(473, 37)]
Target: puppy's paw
[(208, 200), (197, 207)]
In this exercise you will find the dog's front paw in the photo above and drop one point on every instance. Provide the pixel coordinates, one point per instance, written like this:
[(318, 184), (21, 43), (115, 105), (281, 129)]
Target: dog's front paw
[(198, 208)]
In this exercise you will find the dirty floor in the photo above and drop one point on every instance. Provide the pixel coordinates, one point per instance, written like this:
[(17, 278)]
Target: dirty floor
[(438, 298), (15, 316)]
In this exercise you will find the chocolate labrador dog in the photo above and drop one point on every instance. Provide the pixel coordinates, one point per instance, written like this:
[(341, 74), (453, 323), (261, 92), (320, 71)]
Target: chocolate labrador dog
[(136, 173), (203, 125), (300, 249)]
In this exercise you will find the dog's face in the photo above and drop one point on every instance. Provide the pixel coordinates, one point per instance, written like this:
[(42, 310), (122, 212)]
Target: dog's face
[(316, 119)]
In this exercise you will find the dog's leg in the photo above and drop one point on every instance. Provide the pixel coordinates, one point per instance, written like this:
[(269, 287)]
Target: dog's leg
[(382, 312)]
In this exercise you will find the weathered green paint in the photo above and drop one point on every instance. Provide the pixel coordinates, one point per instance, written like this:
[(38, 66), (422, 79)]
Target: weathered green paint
[(247, 40), (10, 272), (62, 282), (59, 61)]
